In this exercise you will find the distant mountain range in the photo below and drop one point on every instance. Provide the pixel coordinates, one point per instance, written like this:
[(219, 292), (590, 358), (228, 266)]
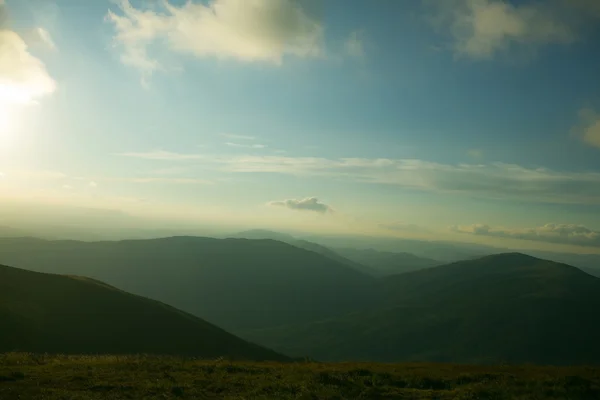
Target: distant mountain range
[(508, 308), (368, 261), (384, 263), (301, 298), (237, 284), (72, 315)]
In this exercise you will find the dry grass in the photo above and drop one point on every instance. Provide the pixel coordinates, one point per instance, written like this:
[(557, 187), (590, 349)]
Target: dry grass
[(30, 376)]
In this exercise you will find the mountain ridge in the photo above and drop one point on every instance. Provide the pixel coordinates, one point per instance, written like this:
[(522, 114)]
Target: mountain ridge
[(508, 308), (52, 313)]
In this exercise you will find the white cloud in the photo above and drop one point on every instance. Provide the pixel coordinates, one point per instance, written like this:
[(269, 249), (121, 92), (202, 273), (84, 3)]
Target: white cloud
[(161, 155), (244, 30), (307, 204), (23, 77), (354, 45), (551, 233), (92, 184), (589, 127), (482, 28)]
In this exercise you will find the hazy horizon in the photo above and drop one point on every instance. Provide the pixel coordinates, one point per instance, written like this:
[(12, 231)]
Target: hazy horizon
[(463, 121)]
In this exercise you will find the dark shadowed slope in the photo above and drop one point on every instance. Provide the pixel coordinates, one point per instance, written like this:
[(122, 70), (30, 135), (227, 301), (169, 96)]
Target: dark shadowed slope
[(503, 308), (63, 314), (383, 263), (235, 283)]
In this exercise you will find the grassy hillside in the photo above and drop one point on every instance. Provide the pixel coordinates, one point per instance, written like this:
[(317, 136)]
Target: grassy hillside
[(505, 308), (235, 283), (62, 314), (25, 376)]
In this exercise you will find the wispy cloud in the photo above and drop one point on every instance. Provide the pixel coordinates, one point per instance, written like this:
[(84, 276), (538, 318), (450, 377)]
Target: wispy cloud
[(307, 204), (495, 180), (40, 37), (482, 28), (400, 226), (354, 45), (175, 181), (475, 154), (247, 31), (248, 146), (162, 155), (551, 233), (237, 137), (42, 175)]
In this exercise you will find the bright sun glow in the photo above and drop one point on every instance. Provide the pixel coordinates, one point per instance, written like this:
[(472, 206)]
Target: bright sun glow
[(12, 98)]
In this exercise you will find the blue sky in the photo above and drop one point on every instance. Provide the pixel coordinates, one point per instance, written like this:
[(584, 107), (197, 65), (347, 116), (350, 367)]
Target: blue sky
[(475, 120)]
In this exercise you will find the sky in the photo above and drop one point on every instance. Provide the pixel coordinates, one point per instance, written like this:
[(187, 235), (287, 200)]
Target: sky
[(469, 120)]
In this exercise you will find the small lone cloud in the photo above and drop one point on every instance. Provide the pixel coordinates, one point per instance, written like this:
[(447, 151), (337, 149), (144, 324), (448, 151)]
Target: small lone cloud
[(93, 184), (307, 204), (588, 128)]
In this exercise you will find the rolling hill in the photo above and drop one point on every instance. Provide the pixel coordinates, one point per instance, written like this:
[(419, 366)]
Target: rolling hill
[(507, 308), (237, 284), (48, 313)]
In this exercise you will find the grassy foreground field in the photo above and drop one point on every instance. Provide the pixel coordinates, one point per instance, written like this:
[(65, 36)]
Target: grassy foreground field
[(30, 376)]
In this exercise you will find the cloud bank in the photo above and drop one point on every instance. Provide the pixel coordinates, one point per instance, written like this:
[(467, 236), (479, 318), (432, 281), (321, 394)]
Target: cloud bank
[(482, 28), (307, 204), (244, 30), (550, 233)]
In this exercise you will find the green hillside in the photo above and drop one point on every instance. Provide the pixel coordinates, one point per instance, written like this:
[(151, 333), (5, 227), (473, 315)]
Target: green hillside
[(506, 308), (64, 314)]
